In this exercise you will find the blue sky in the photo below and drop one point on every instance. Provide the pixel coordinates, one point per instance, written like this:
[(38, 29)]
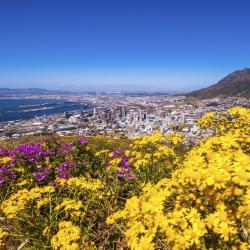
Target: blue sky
[(122, 45)]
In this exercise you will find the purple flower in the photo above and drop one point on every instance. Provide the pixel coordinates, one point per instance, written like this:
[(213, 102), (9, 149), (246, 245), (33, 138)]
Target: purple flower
[(13, 163), (41, 176), (124, 175), (55, 185), (131, 176), (121, 174), (66, 148), (6, 174), (65, 169), (41, 173), (124, 170), (4, 152), (124, 161), (127, 167), (12, 154), (2, 181), (116, 153), (32, 153), (83, 140), (124, 164), (107, 164), (5, 169)]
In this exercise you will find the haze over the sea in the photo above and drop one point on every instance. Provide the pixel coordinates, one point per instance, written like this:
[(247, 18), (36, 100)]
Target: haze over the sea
[(122, 45)]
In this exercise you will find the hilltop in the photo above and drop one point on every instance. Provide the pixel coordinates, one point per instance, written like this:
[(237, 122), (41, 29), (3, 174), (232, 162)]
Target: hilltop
[(234, 84)]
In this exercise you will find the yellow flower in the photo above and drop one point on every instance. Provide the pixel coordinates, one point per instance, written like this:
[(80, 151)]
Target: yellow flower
[(5, 160), (67, 238), (20, 200), (3, 235)]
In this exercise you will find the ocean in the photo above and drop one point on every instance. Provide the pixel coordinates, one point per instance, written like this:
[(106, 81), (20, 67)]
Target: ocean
[(16, 109)]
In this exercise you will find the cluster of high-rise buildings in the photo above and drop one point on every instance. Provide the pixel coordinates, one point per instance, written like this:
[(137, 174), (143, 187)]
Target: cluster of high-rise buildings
[(119, 115)]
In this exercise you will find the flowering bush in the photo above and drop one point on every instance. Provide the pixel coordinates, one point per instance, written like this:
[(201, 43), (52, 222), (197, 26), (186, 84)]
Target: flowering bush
[(234, 120), (154, 156), (205, 205), (98, 193)]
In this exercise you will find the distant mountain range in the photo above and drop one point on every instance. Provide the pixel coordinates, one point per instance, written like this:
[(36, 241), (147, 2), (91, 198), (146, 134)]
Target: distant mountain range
[(28, 90), (7, 91), (234, 84)]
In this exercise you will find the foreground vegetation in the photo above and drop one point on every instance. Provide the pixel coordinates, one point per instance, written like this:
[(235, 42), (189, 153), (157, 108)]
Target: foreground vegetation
[(147, 193)]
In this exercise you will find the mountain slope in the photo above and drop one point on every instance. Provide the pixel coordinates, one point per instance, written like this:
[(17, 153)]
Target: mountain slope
[(28, 90), (234, 84)]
